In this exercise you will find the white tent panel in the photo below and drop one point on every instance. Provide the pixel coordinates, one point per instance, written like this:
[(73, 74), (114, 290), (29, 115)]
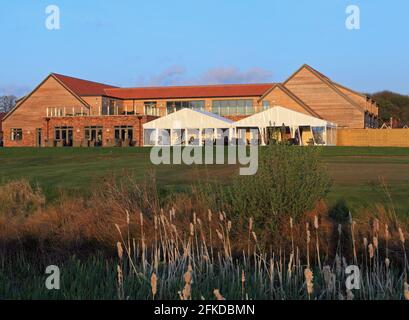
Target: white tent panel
[(190, 119), (277, 116)]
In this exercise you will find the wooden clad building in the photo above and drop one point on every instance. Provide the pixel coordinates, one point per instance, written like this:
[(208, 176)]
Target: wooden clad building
[(66, 111)]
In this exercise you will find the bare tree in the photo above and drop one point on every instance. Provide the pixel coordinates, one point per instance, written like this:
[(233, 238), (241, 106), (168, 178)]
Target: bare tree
[(7, 103)]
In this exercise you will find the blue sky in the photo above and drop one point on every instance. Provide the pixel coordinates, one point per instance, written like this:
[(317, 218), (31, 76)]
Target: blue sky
[(162, 42)]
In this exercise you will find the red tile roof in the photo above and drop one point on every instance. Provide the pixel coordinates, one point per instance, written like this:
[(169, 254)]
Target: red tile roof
[(90, 88), (83, 87), (226, 90)]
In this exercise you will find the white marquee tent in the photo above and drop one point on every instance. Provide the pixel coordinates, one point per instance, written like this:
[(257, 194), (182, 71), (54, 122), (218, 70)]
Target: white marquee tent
[(186, 127), (300, 126)]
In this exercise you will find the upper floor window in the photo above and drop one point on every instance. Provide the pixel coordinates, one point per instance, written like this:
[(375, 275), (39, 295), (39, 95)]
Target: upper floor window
[(173, 106), (233, 107), (266, 105), (151, 108), (16, 134)]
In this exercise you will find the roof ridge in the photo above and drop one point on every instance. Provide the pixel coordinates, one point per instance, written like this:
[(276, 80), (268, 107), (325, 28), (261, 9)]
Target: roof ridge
[(195, 86), (75, 78)]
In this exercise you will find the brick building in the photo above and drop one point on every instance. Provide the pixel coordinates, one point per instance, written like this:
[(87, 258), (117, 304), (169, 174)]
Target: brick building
[(66, 111)]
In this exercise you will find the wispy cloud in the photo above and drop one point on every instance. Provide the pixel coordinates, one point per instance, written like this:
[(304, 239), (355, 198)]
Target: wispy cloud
[(235, 75), (177, 75)]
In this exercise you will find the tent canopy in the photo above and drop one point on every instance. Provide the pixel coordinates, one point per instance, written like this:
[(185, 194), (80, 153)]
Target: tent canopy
[(277, 116), (190, 119)]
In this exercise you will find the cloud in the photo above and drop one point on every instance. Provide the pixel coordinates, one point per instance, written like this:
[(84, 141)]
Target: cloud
[(234, 75), (177, 75), (170, 76)]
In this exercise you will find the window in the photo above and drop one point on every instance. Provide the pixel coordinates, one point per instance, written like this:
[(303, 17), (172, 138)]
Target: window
[(151, 108), (64, 136), (16, 134), (233, 107), (123, 134), (94, 134), (266, 105), (173, 106)]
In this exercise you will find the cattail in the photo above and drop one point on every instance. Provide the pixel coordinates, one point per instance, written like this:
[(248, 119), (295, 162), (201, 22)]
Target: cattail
[(387, 234), (120, 250), (186, 293), (401, 236), (154, 285), (218, 295), (141, 217), (155, 221), (387, 262), (375, 242), (128, 219), (209, 215), (327, 276), (251, 224), (406, 291), (254, 236), (308, 233), (291, 223), (192, 229), (350, 295), (229, 226), (219, 234), (338, 263), (376, 226), (339, 229), (120, 283), (371, 251), (309, 277), (243, 283), (316, 225), (194, 218)]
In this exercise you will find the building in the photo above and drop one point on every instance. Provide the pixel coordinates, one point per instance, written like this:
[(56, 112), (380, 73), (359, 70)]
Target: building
[(66, 111), (2, 115)]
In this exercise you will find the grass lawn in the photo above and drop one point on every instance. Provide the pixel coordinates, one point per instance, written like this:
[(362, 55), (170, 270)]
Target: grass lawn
[(356, 171)]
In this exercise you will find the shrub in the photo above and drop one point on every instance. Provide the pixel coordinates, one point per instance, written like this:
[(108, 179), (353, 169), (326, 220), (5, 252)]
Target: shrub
[(289, 182), (19, 198), (340, 211)]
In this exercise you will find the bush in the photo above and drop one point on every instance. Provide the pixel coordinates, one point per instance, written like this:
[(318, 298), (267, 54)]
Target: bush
[(340, 211), (289, 182), (19, 198)]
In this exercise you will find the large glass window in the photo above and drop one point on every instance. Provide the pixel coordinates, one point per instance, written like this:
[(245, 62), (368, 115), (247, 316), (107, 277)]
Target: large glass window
[(173, 106), (64, 136), (233, 107), (16, 134), (94, 135), (124, 134), (151, 108)]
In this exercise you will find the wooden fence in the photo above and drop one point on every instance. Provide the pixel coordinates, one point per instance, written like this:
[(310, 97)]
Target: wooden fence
[(373, 137)]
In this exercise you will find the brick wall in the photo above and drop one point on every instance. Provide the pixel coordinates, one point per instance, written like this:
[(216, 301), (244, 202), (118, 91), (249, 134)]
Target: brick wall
[(373, 137), (79, 123)]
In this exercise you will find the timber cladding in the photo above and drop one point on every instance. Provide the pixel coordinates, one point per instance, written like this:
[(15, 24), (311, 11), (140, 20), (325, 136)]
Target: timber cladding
[(373, 137), (324, 99)]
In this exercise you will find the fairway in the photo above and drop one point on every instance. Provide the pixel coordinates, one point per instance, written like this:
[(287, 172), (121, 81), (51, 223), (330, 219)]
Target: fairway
[(356, 172)]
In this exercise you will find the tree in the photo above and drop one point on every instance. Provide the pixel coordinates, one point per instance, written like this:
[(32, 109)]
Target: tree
[(393, 105), (7, 103)]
